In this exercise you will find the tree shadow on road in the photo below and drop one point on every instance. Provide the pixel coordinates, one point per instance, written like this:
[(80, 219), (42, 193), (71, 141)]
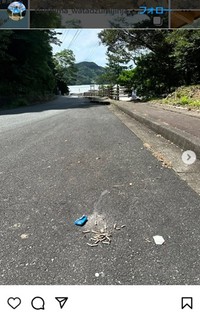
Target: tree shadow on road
[(60, 103)]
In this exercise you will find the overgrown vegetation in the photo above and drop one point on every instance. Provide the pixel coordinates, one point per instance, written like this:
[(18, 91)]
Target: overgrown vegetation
[(29, 71), (26, 65), (183, 96), (163, 60)]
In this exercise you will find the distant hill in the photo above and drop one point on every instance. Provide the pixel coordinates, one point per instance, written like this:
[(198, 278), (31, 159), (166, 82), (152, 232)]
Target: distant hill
[(88, 72)]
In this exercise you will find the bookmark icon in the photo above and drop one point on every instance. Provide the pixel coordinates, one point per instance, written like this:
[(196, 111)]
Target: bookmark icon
[(186, 302)]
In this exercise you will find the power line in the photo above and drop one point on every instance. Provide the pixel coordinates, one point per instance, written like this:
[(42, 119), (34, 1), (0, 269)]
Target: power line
[(65, 36), (63, 32), (75, 37), (72, 39), (92, 52)]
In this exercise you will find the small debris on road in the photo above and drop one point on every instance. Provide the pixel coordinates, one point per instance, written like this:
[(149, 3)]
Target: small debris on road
[(164, 161), (24, 236), (102, 274), (159, 240), (81, 221), (98, 158), (85, 232), (102, 235), (148, 146), (92, 245), (94, 232), (17, 225), (118, 185)]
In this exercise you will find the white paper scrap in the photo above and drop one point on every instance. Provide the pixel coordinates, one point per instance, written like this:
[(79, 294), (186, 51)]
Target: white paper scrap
[(159, 240)]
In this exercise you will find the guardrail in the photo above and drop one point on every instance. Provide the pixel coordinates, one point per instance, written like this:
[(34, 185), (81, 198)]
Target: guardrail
[(112, 92)]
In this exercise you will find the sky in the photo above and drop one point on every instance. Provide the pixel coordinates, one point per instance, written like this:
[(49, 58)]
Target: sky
[(84, 43)]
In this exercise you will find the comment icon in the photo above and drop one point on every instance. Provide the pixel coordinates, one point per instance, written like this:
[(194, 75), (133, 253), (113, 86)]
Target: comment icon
[(38, 303)]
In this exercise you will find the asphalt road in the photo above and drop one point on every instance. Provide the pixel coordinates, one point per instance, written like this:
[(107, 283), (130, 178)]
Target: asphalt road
[(67, 158)]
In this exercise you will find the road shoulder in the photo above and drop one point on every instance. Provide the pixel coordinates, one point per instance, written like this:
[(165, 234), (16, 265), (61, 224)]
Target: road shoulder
[(164, 150)]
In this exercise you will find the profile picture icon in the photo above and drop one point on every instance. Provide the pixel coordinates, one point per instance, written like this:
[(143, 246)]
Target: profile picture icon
[(16, 10)]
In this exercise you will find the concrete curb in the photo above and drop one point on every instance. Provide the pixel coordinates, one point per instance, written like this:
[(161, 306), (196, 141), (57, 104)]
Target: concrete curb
[(182, 139)]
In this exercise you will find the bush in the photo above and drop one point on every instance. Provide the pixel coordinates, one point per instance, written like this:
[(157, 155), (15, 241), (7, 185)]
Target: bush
[(18, 102), (184, 100)]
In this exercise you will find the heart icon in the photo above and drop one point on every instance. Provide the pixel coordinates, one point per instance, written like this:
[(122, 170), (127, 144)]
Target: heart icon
[(14, 302)]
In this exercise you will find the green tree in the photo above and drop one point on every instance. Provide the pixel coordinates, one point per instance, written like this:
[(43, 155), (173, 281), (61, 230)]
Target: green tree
[(26, 63), (73, 23), (65, 69), (128, 44), (45, 19), (186, 51), (153, 53), (126, 79), (5, 39), (112, 70)]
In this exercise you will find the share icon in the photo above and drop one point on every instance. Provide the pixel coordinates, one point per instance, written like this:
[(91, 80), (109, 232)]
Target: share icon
[(62, 301)]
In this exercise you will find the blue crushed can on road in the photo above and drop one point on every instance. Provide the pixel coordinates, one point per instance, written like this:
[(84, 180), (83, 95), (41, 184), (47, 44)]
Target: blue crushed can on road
[(81, 221)]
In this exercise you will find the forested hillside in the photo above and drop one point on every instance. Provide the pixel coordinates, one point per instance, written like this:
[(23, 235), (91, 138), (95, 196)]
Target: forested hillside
[(88, 72)]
